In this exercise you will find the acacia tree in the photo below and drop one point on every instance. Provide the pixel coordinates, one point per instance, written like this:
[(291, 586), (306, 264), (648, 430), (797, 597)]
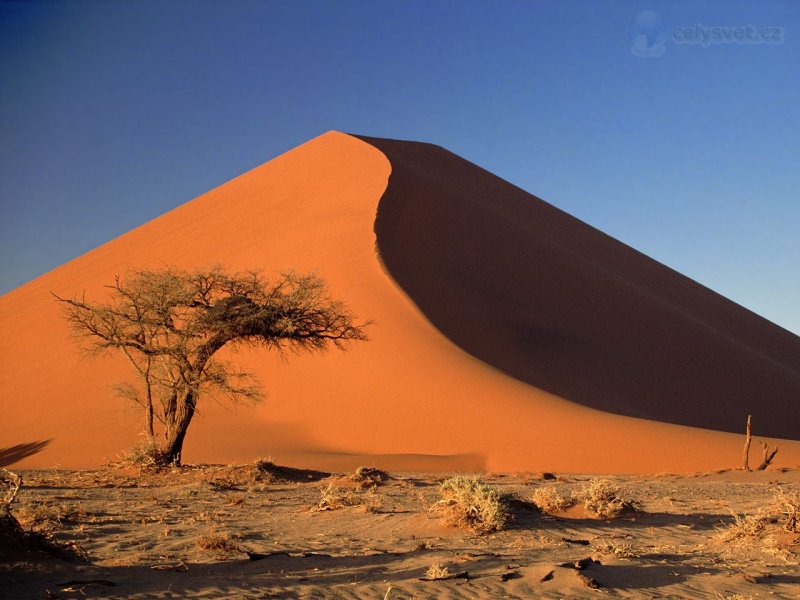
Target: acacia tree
[(170, 324)]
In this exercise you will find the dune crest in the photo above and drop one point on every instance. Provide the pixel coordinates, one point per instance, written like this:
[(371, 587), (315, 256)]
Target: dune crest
[(410, 391)]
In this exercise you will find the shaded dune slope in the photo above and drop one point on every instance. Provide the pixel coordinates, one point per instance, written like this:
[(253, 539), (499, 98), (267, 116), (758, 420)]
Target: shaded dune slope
[(410, 398), (557, 304)]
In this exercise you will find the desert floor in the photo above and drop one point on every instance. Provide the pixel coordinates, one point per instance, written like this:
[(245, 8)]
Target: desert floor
[(241, 532)]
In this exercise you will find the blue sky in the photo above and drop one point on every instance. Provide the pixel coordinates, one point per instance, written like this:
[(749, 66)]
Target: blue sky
[(112, 113)]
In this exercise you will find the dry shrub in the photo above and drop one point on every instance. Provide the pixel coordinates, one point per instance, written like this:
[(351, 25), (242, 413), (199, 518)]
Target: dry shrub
[(12, 537), (784, 511), (549, 499), (603, 499), (15, 540), (367, 477), (186, 493), (745, 527), (144, 456), (787, 504), (335, 497), (47, 517), (437, 571), (615, 548), (468, 502), (218, 543), (222, 483)]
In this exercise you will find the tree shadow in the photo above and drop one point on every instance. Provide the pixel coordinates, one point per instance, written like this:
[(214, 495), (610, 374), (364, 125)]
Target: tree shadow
[(12, 454)]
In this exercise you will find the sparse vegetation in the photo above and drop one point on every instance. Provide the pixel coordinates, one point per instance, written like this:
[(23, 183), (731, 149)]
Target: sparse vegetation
[(744, 528), (335, 497), (788, 505), (437, 571), (222, 483), (783, 512), (47, 517), (616, 548), (603, 500), (367, 477), (144, 456), (218, 543), (17, 537), (468, 502), (11, 533), (173, 520), (550, 500)]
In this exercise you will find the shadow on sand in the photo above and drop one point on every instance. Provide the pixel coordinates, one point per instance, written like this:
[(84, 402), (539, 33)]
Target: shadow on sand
[(12, 454)]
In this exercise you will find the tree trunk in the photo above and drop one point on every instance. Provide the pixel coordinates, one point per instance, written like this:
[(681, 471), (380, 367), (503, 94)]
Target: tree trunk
[(149, 399), (176, 428)]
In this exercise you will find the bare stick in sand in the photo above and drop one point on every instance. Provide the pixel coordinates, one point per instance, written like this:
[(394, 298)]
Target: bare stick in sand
[(746, 456), (769, 455)]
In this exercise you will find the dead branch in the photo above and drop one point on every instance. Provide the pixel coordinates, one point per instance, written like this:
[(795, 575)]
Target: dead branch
[(769, 455), (12, 482)]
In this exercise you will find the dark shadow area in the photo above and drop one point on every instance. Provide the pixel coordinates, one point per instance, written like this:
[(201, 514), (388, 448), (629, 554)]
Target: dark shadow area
[(278, 570), (280, 473), (275, 571), (534, 520), (553, 302), (12, 454), (641, 577)]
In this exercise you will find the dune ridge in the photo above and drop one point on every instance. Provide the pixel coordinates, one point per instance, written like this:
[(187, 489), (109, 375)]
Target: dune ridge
[(412, 391)]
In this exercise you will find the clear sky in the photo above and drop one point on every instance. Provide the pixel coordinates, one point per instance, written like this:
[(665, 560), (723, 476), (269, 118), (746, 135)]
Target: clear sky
[(112, 113)]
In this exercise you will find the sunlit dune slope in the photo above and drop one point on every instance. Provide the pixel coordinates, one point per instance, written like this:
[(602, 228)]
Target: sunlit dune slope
[(411, 397)]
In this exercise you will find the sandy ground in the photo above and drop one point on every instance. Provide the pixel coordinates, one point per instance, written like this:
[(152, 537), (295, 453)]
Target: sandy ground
[(187, 534)]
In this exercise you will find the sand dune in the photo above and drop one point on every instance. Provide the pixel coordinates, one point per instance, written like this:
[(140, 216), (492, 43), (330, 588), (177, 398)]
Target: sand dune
[(602, 328), (558, 304)]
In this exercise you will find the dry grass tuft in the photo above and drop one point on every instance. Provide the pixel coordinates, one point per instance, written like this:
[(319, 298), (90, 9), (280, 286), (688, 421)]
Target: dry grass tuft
[(469, 503), (223, 483), (335, 497), (367, 477), (603, 500), (787, 504), (745, 528), (144, 457), (218, 543), (549, 499), (618, 549), (437, 571), (784, 511), (47, 517)]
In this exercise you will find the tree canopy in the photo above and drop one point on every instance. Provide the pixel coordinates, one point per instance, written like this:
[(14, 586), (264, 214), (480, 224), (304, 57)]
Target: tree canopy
[(171, 323)]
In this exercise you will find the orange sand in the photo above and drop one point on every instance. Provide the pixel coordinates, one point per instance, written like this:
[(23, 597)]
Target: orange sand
[(409, 395)]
